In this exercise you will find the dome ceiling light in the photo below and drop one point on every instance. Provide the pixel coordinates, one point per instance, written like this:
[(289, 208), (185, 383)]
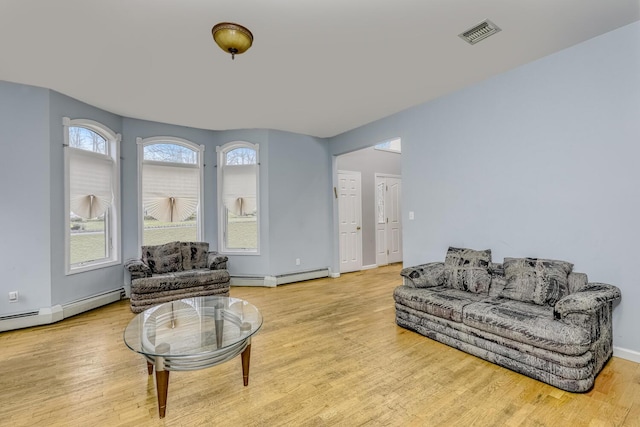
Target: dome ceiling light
[(232, 38)]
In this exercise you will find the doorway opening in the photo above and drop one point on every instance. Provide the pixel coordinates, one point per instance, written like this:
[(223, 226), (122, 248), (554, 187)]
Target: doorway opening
[(380, 199)]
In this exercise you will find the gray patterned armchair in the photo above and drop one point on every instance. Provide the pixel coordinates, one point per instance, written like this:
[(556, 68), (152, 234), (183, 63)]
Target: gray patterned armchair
[(174, 271), (533, 316)]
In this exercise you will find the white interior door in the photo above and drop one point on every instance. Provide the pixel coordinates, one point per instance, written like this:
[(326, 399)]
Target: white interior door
[(350, 220), (388, 219), (394, 216)]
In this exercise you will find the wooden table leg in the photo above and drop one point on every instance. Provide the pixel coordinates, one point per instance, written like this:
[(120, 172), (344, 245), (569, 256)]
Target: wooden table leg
[(246, 356), (162, 378), (162, 386), (149, 367)]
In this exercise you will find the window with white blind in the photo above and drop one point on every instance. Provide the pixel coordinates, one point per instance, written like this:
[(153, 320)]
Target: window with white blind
[(238, 228), (171, 190), (92, 198)]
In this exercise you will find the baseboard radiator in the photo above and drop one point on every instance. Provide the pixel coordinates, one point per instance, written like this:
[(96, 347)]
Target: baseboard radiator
[(56, 313), (282, 279)]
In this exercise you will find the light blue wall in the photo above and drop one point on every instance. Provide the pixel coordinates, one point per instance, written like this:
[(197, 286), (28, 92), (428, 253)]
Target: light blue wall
[(540, 161), (132, 129), (295, 209), (32, 224), (73, 287), (300, 201), (24, 198)]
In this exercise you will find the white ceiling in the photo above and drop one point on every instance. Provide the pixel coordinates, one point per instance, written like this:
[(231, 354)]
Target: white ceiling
[(317, 67)]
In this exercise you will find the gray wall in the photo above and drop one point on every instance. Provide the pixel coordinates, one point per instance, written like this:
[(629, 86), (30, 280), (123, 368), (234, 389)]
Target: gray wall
[(540, 161), (24, 197), (299, 202), (132, 129), (368, 162), (294, 198), (73, 287)]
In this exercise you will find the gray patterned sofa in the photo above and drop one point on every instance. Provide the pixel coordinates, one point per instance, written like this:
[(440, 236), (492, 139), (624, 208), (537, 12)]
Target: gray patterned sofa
[(533, 316), (174, 271)]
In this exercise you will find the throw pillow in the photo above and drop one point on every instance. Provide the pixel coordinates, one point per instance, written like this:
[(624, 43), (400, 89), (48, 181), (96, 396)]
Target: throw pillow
[(161, 259), (541, 281), (194, 255), (468, 269)]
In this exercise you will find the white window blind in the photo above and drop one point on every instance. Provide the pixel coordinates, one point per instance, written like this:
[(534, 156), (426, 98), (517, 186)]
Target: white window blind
[(170, 192), (239, 189), (90, 183)]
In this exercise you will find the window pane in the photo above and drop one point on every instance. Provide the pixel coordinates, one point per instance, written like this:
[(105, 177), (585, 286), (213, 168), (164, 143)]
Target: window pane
[(157, 232), (88, 240), (242, 231), (90, 183), (86, 139), (392, 145), (170, 153), (241, 156), (238, 197), (170, 194)]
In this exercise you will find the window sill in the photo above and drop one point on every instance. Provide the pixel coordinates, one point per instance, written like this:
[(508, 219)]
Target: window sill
[(91, 266), (234, 253)]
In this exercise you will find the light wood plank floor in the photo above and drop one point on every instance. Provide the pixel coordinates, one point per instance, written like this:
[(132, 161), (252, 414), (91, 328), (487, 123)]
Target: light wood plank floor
[(329, 353)]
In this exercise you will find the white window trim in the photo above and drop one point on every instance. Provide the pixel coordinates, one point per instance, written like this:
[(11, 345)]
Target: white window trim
[(221, 151), (143, 142), (114, 224)]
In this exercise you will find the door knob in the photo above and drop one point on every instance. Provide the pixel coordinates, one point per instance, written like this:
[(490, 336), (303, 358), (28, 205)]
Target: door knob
[(358, 228)]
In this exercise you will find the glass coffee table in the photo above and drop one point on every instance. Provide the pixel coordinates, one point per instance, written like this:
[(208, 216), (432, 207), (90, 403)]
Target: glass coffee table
[(191, 334)]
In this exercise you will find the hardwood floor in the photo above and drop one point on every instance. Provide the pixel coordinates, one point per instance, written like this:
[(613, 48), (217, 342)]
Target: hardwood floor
[(329, 353)]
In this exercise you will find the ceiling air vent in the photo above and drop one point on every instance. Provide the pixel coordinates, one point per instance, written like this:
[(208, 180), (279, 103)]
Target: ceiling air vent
[(480, 32)]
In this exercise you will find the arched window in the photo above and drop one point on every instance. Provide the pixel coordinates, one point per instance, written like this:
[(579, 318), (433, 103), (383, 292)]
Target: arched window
[(92, 197), (238, 200), (170, 190)]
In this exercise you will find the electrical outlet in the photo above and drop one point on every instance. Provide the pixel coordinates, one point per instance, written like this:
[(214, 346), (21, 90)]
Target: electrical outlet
[(297, 261), (13, 296)]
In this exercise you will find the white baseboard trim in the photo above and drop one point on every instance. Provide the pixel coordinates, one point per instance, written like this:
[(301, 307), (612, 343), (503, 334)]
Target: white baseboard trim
[(48, 315), (627, 354), (95, 301), (369, 267), (282, 279), (301, 276), (246, 281)]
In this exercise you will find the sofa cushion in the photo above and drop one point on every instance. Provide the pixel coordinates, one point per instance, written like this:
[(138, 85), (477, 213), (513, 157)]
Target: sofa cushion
[(439, 301), (527, 323), (541, 281), (161, 259), (194, 255), (468, 269), (424, 275), (178, 280)]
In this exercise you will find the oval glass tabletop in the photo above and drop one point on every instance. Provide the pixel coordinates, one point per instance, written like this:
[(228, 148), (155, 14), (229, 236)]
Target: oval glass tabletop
[(192, 327)]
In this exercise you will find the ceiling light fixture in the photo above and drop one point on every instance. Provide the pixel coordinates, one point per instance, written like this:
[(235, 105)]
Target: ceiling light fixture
[(232, 38)]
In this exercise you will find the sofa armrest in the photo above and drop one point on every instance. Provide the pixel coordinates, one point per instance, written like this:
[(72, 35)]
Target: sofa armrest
[(215, 261), (137, 268), (424, 275), (586, 301)]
